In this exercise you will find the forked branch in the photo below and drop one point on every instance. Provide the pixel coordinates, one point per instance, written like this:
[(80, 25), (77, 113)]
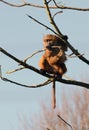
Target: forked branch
[(56, 6), (28, 86), (72, 82), (51, 19), (81, 57), (62, 36)]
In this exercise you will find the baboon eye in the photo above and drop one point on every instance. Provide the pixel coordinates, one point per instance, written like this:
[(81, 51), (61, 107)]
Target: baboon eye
[(47, 40)]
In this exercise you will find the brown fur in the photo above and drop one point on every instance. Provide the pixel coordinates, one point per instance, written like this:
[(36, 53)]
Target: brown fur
[(53, 60)]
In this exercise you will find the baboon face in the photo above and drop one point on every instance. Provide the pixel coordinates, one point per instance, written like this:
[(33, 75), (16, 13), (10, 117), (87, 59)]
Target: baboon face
[(53, 40), (50, 40)]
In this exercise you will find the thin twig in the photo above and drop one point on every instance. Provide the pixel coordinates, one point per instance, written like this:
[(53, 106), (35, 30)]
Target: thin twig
[(60, 35), (15, 70), (28, 86), (68, 44), (19, 61), (78, 83), (77, 53), (51, 19), (71, 56), (69, 82), (41, 6), (65, 122), (49, 1), (71, 47), (41, 24), (57, 13), (25, 60), (56, 3)]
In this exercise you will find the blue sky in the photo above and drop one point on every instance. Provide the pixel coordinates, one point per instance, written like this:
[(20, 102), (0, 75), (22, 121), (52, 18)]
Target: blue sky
[(20, 36)]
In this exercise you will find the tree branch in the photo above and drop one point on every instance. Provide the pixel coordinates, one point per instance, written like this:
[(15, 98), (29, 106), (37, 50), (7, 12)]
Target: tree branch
[(81, 57), (41, 24), (19, 61), (60, 35), (69, 45), (71, 82), (28, 86), (15, 70), (65, 121), (40, 6), (51, 19), (24, 60)]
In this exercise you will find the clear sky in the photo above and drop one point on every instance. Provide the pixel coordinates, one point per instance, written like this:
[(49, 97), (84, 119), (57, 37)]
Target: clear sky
[(21, 36)]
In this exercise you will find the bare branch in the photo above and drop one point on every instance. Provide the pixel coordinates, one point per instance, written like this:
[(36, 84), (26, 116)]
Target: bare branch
[(40, 6), (65, 121), (57, 13), (19, 61), (68, 44), (81, 84), (25, 60), (81, 57), (15, 70), (21, 5), (41, 24), (72, 8), (60, 35), (56, 3), (71, 55), (73, 82), (28, 86), (51, 19), (78, 83)]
